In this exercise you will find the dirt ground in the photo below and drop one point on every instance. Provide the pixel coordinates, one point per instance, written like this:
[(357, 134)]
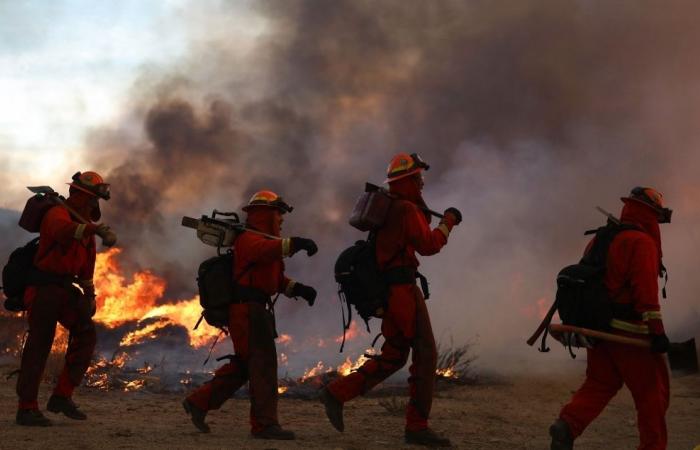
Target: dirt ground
[(510, 414)]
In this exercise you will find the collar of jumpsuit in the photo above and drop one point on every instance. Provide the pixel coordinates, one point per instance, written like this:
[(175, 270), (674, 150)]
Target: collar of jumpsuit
[(408, 189), (644, 217), (264, 219)]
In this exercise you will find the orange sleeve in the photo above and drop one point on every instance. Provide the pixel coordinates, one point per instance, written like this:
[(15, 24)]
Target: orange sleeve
[(420, 236), (643, 273), (259, 249), (58, 226)]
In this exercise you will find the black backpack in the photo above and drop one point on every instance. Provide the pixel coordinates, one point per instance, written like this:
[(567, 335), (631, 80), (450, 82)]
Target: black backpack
[(582, 299), (216, 289), (19, 273), (361, 283)]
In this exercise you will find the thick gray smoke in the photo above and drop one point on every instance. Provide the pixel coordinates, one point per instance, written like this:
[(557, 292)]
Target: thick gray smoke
[(530, 113)]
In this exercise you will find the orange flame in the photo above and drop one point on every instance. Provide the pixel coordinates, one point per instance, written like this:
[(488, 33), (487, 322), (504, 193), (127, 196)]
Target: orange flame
[(120, 301), (350, 333), (284, 339)]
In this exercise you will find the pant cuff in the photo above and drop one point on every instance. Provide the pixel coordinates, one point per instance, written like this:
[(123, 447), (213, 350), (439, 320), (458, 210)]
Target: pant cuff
[(28, 405)]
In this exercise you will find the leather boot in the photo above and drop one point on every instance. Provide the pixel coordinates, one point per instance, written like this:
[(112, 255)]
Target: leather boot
[(32, 418), (426, 437), (66, 406), (196, 415), (334, 409), (275, 432), (561, 436)]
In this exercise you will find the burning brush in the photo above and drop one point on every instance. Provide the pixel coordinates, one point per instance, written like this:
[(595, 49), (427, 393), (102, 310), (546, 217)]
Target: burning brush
[(454, 364)]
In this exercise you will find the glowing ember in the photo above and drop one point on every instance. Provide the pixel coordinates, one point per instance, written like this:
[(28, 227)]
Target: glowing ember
[(447, 373), (134, 385), (145, 369), (284, 339), (282, 359), (282, 389)]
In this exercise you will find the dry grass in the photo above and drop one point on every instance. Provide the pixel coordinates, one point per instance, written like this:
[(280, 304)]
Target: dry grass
[(454, 363)]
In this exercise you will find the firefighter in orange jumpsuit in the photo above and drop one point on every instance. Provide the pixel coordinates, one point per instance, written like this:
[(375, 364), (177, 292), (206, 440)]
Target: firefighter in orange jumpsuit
[(259, 274), (633, 267), (67, 249), (406, 323)]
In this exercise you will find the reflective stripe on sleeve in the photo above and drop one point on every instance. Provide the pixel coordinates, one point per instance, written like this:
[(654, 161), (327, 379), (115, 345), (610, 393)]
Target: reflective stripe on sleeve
[(79, 230), (649, 315), (290, 288), (286, 247), (445, 230)]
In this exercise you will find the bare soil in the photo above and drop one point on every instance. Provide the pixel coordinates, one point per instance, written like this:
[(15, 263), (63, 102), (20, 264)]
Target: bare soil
[(510, 414)]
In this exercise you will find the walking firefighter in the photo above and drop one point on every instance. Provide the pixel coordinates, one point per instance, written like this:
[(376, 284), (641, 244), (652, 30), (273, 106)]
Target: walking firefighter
[(256, 274), (632, 269), (393, 244), (43, 275)]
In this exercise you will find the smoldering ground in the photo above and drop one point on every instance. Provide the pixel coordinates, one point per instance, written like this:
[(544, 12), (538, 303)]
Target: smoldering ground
[(530, 113)]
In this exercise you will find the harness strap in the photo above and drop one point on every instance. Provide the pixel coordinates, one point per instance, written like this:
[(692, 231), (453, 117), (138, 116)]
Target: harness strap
[(211, 349)]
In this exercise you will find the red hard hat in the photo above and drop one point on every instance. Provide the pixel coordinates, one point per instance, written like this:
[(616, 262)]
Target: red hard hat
[(651, 198), (268, 198), (91, 183), (404, 165)]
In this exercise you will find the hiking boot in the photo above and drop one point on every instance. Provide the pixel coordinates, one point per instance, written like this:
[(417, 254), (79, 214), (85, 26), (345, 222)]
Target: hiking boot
[(32, 418), (334, 409), (66, 406), (561, 436), (196, 415), (274, 432), (426, 437)]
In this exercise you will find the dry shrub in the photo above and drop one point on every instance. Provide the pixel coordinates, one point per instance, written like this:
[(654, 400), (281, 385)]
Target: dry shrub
[(454, 363)]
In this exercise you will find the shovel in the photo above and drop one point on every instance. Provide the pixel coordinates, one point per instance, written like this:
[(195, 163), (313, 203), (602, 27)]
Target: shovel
[(682, 357)]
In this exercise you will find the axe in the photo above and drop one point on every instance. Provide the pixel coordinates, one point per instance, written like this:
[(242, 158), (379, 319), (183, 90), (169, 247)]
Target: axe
[(109, 238), (682, 356)]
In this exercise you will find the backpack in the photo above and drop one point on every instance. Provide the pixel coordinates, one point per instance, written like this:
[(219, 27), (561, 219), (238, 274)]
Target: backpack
[(582, 299), (20, 272), (361, 284), (216, 289)]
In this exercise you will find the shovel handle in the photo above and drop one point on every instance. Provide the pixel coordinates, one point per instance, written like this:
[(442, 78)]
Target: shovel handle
[(560, 328)]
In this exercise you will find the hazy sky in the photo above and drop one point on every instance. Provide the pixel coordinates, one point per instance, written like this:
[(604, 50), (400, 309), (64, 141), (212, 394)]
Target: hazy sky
[(67, 66)]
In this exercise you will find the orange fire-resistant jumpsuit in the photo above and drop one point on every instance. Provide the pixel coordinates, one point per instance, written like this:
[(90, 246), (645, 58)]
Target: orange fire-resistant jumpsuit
[(406, 323), (259, 269), (633, 265), (66, 248)]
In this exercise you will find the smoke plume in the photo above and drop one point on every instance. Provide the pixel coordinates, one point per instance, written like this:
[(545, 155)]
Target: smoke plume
[(529, 112)]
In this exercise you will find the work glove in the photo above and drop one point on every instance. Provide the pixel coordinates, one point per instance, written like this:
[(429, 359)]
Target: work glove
[(454, 212), (299, 243), (109, 238), (306, 292), (659, 343)]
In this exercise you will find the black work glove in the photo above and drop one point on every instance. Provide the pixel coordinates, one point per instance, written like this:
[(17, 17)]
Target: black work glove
[(306, 292), (659, 343), (455, 212), (299, 243)]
